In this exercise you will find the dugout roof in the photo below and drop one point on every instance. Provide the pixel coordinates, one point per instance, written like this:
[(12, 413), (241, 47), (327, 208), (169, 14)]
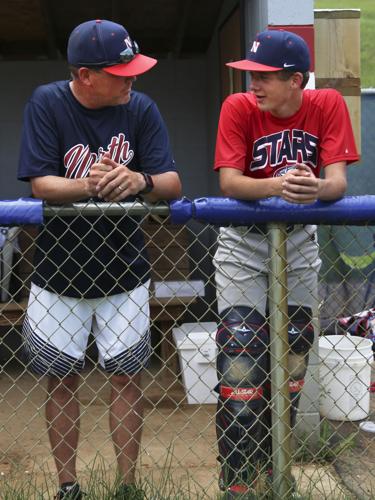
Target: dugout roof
[(39, 29)]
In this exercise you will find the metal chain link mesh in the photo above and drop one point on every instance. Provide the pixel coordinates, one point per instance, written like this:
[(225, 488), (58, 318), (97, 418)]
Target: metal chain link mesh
[(331, 458)]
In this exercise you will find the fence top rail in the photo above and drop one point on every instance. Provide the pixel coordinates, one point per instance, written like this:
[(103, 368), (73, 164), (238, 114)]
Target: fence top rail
[(24, 211), (355, 210), (92, 208)]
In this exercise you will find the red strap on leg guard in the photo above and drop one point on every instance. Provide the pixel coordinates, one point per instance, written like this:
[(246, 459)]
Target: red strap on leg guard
[(241, 393)]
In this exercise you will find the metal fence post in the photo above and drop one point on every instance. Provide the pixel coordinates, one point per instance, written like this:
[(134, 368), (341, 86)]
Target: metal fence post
[(280, 403)]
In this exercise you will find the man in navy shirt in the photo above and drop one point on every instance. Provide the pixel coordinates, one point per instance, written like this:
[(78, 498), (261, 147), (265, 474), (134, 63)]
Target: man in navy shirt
[(93, 137)]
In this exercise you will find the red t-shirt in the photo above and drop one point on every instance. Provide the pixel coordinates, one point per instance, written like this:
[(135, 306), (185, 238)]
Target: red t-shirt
[(261, 145)]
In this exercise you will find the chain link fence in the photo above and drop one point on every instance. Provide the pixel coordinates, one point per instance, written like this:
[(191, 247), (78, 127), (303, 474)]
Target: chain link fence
[(332, 454)]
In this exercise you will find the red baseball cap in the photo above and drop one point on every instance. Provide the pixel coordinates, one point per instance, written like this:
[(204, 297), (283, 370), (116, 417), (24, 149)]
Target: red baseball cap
[(107, 45)]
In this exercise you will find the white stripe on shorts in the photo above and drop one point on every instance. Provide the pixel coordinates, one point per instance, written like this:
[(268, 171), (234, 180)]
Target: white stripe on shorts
[(56, 331)]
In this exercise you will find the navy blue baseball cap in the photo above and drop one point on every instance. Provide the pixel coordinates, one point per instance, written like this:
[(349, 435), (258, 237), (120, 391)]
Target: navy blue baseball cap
[(107, 45), (273, 50)]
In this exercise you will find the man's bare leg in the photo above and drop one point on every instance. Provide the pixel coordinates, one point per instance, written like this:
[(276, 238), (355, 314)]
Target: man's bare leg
[(62, 415), (126, 418)]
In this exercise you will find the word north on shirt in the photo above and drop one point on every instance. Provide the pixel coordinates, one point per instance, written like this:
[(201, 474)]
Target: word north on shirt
[(79, 158)]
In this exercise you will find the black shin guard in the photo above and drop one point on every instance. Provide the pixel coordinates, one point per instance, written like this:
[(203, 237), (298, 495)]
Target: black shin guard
[(300, 338), (242, 340)]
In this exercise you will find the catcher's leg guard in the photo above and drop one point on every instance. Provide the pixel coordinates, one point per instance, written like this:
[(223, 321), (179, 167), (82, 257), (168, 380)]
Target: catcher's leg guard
[(301, 338), (242, 340)]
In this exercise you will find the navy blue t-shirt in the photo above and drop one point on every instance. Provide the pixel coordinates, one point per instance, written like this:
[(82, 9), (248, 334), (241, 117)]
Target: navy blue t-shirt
[(90, 256)]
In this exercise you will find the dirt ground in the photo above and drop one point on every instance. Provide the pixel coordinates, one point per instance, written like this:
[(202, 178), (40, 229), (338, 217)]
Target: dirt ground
[(177, 438), (356, 466)]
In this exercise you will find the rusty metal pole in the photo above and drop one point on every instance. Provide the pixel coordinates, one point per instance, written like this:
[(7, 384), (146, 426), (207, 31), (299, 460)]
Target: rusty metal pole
[(280, 401)]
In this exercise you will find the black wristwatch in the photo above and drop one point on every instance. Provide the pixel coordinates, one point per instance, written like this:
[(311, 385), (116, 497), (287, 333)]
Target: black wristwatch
[(149, 183)]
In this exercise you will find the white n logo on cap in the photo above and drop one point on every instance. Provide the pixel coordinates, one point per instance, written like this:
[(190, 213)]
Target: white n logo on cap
[(128, 42), (255, 46)]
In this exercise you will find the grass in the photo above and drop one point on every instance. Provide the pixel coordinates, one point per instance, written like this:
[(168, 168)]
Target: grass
[(367, 22), (330, 446), (99, 487), (99, 482)]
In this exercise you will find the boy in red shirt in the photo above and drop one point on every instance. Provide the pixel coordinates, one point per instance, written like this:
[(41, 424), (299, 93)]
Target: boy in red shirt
[(275, 140)]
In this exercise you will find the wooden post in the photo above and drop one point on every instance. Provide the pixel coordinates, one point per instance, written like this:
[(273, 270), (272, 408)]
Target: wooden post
[(337, 58)]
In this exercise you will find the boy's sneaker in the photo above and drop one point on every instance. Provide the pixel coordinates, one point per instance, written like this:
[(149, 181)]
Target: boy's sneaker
[(69, 491), (238, 491), (129, 492)]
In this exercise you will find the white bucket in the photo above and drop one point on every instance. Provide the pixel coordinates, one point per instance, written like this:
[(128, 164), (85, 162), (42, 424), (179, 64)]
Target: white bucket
[(196, 346), (345, 376)]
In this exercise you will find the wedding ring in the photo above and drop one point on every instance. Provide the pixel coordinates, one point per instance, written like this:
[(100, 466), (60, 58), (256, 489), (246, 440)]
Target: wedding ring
[(120, 188)]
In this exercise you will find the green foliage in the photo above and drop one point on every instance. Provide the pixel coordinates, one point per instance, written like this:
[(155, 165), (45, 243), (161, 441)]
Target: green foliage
[(331, 445), (367, 22)]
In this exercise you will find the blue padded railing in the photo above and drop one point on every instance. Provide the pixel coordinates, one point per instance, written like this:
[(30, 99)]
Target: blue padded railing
[(21, 212), (217, 211), (225, 211)]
